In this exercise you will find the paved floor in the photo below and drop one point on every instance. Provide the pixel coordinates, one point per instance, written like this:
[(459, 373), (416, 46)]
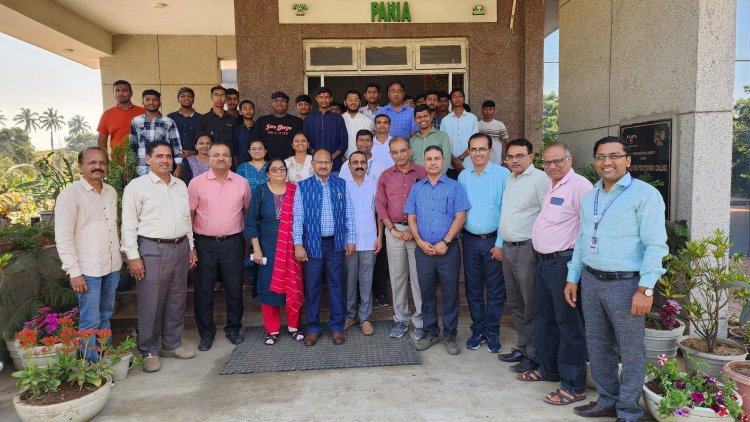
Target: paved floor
[(474, 385)]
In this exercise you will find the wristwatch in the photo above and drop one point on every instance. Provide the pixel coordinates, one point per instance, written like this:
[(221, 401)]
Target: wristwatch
[(646, 291), (446, 241)]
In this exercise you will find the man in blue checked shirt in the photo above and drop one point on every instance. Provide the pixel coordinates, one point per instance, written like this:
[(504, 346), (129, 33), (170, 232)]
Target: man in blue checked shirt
[(323, 231), (618, 259), (152, 126), (436, 209), (484, 183), (401, 115)]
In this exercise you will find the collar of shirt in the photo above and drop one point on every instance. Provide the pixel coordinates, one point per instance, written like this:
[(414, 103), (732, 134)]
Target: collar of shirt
[(442, 179), (87, 186), (117, 105), (529, 170), (419, 133), (389, 106), (563, 181), (412, 167), (322, 183), (387, 140), (192, 113), (156, 179), (624, 182), (488, 169), (155, 119), (210, 174)]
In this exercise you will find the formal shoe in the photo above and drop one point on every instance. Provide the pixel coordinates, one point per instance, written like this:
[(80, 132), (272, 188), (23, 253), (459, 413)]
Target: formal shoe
[(349, 324), (475, 341), (205, 344), (419, 333), (593, 410), (525, 365), (426, 342), (493, 344), (311, 339), (179, 353), (382, 300), (451, 345), (235, 337), (338, 337), (515, 355), (399, 329), (367, 328), (151, 363)]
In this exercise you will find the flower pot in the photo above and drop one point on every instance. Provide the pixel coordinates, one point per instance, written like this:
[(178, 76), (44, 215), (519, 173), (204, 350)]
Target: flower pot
[(14, 354), (590, 381), (80, 409), (743, 381), (713, 363), (662, 342), (697, 414), (120, 369), (47, 217), (41, 356)]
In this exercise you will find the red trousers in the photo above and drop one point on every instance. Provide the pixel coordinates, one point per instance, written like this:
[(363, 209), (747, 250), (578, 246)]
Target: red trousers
[(272, 318)]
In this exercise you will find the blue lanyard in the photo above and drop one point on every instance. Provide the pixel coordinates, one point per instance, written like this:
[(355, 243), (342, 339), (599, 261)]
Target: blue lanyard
[(597, 217)]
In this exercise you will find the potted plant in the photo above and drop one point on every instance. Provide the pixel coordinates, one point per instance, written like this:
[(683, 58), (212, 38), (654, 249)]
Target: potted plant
[(739, 372), (120, 358), (671, 395), (38, 342), (663, 329), (710, 276), (118, 176), (56, 173), (69, 388)]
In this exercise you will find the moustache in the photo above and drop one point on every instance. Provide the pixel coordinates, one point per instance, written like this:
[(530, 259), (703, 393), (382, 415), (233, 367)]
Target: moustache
[(97, 171), (359, 169)]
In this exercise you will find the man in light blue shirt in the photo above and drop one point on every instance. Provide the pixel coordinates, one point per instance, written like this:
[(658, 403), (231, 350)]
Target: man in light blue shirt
[(459, 125), (482, 246), (618, 258)]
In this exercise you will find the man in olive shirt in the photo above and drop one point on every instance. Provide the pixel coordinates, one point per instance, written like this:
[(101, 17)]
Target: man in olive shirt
[(427, 136)]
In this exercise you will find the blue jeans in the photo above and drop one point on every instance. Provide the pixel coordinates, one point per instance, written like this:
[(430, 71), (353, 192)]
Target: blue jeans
[(96, 306), (483, 274)]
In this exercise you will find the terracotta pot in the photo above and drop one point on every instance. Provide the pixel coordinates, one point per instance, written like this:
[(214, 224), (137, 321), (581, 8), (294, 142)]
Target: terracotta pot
[(80, 409), (697, 414), (662, 342), (42, 356), (120, 369), (743, 381), (714, 363)]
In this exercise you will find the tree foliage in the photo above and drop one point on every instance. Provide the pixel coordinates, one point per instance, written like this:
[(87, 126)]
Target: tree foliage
[(27, 119), (15, 147), (51, 121), (77, 142), (78, 125), (741, 147)]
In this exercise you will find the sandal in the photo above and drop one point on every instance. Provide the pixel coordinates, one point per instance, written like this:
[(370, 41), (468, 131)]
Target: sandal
[(271, 339), (562, 397), (534, 375), (297, 335)]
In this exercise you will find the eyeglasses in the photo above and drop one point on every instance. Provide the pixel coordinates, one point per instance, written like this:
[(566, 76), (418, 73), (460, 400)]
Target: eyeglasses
[(555, 162), (612, 157), (518, 157), (280, 100), (277, 169), (216, 95), (257, 149), (476, 150)]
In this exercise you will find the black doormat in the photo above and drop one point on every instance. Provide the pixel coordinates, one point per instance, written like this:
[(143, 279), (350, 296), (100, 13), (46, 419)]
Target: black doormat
[(253, 355)]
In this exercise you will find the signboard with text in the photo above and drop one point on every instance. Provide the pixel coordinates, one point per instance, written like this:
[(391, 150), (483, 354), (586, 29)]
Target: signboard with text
[(651, 143), (374, 12)]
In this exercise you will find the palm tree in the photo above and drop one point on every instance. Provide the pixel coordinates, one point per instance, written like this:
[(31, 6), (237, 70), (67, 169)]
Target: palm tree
[(51, 121), (2, 119), (78, 124), (28, 119)]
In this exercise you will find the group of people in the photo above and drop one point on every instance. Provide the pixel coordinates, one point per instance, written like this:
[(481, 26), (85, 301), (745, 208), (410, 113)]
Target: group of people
[(325, 200)]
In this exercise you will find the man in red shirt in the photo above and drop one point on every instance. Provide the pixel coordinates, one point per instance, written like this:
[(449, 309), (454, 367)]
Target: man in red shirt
[(114, 124)]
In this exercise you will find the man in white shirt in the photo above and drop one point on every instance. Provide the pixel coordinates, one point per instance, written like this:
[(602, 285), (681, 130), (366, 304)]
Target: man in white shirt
[(369, 242), (374, 166), (495, 129), (459, 124), (355, 121), (381, 140), (156, 229)]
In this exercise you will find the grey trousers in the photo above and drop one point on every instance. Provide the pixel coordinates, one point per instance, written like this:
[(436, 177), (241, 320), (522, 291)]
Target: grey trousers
[(359, 269), (610, 327), (161, 295), (402, 267), (519, 271)]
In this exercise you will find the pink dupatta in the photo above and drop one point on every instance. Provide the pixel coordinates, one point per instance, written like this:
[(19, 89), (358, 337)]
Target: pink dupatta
[(287, 272)]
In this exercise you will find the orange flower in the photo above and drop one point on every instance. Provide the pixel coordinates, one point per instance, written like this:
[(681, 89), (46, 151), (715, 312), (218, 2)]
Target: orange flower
[(49, 341)]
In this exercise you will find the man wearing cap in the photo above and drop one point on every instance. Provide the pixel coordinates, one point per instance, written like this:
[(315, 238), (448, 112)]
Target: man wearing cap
[(303, 104), (186, 119), (277, 129), (217, 122), (114, 124), (152, 126), (327, 130)]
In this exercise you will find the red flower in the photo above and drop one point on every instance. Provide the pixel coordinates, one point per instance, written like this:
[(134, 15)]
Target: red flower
[(722, 411), (49, 341), (744, 418)]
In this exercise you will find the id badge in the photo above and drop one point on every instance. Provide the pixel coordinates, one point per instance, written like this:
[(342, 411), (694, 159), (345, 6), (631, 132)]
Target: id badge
[(593, 246)]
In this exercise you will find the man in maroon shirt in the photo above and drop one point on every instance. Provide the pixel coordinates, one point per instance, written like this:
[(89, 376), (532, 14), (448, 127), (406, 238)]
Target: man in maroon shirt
[(394, 185)]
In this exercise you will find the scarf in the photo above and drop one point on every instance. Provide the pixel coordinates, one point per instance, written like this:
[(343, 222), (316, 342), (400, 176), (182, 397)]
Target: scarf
[(287, 272)]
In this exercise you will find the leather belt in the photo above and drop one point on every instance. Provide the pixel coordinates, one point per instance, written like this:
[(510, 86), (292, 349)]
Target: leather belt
[(219, 238), (403, 223), (521, 243), (611, 275), (165, 241), (485, 236), (565, 253), (326, 238)]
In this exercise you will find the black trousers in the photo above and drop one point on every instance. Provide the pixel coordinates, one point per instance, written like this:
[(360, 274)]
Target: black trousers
[(381, 277), (218, 258)]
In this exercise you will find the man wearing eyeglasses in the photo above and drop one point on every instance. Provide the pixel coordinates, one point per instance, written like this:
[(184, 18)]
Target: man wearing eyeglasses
[(217, 122), (522, 200), (559, 337), (277, 129), (484, 183), (618, 259)]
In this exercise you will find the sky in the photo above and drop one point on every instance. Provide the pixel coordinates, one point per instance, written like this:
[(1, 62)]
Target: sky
[(38, 79)]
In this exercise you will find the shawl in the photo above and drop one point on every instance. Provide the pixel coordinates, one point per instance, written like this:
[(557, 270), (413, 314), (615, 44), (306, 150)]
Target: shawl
[(287, 272)]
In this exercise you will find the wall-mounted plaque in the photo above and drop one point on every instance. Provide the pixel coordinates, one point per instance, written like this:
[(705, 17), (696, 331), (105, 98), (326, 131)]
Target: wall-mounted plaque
[(651, 143)]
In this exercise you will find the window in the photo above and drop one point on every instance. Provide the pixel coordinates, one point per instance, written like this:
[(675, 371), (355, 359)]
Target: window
[(228, 73)]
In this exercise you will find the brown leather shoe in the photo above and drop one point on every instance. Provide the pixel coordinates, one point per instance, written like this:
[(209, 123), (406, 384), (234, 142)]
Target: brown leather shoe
[(367, 328), (311, 339), (349, 324), (338, 337), (593, 410)]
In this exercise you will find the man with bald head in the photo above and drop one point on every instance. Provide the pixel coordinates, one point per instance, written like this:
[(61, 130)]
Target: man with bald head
[(323, 232)]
